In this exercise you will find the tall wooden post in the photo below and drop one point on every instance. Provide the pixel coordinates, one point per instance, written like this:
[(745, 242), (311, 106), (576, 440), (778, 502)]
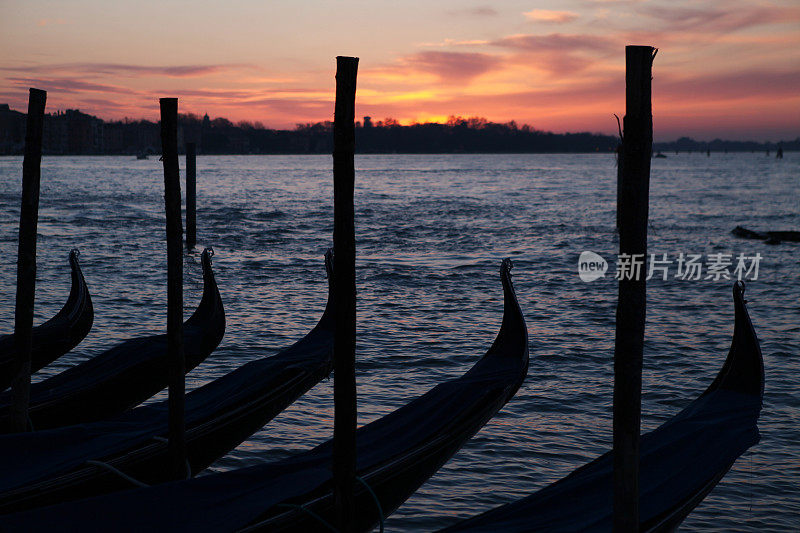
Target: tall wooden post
[(177, 364), (618, 152), (191, 196), (637, 145), (619, 180), (26, 261), (344, 292)]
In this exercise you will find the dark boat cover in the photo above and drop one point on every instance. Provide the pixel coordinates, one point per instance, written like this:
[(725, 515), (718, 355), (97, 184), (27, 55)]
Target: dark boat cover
[(58, 335), (681, 461), (396, 454), (125, 375), (41, 467)]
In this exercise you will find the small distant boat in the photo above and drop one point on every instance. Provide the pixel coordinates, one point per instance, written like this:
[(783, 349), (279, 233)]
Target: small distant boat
[(770, 237), (125, 375), (396, 454), (58, 335), (680, 462), (141, 155), (659, 155)]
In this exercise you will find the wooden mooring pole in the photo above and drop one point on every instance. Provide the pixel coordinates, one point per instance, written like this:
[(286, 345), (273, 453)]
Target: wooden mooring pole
[(26, 261), (637, 145), (176, 362), (191, 195), (344, 293), (619, 179)]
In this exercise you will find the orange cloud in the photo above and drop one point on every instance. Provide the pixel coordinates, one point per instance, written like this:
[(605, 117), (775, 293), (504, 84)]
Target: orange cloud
[(720, 64), (550, 16), (455, 42), (49, 22)]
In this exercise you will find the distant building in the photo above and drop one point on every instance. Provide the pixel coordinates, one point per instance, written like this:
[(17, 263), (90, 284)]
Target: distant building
[(55, 134), (85, 132), (12, 130), (144, 137), (114, 138), (72, 132)]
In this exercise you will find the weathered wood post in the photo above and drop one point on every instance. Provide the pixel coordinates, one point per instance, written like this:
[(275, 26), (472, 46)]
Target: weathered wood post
[(619, 179), (344, 292), (637, 145), (618, 152), (26, 261), (176, 363), (191, 196)]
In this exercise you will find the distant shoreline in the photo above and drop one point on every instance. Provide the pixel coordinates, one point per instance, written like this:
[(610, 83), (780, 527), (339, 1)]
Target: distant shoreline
[(75, 133), (156, 156), (668, 153)]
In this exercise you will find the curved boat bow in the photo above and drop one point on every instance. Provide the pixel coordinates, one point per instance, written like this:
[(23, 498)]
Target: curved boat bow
[(396, 454), (58, 335), (63, 464), (680, 462), (127, 374)]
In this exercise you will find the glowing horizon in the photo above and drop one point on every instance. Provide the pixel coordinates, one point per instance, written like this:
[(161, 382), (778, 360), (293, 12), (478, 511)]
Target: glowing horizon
[(724, 70)]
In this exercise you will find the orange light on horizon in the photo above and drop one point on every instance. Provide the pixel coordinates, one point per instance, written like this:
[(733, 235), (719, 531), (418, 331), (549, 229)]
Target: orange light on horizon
[(423, 118)]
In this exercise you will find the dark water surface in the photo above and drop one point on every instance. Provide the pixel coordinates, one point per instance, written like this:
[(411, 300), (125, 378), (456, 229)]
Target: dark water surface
[(431, 231)]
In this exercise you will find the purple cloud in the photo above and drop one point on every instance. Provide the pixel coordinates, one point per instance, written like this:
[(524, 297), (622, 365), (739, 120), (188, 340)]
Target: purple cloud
[(720, 20), (69, 85), (478, 11), (173, 71), (453, 67), (735, 85), (558, 42)]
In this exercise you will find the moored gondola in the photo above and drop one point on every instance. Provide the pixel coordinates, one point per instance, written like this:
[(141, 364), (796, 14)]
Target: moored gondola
[(58, 335), (64, 464), (396, 454), (125, 375), (680, 462)]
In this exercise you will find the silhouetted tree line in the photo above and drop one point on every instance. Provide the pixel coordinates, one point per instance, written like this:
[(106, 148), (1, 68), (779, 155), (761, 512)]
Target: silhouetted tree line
[(388, 136), (73, 132), (474, 135)]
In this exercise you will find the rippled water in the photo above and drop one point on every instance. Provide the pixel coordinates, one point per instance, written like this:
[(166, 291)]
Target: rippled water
[(431, 231)]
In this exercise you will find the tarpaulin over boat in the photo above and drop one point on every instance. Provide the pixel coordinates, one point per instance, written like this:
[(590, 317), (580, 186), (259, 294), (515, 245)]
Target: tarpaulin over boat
[(58, 335), (50, 466), (680, 462), (125, 375), (395, 455)]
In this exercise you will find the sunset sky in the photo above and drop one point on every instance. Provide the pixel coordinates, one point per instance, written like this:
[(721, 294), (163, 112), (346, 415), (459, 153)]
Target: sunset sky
[(727, 69)]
